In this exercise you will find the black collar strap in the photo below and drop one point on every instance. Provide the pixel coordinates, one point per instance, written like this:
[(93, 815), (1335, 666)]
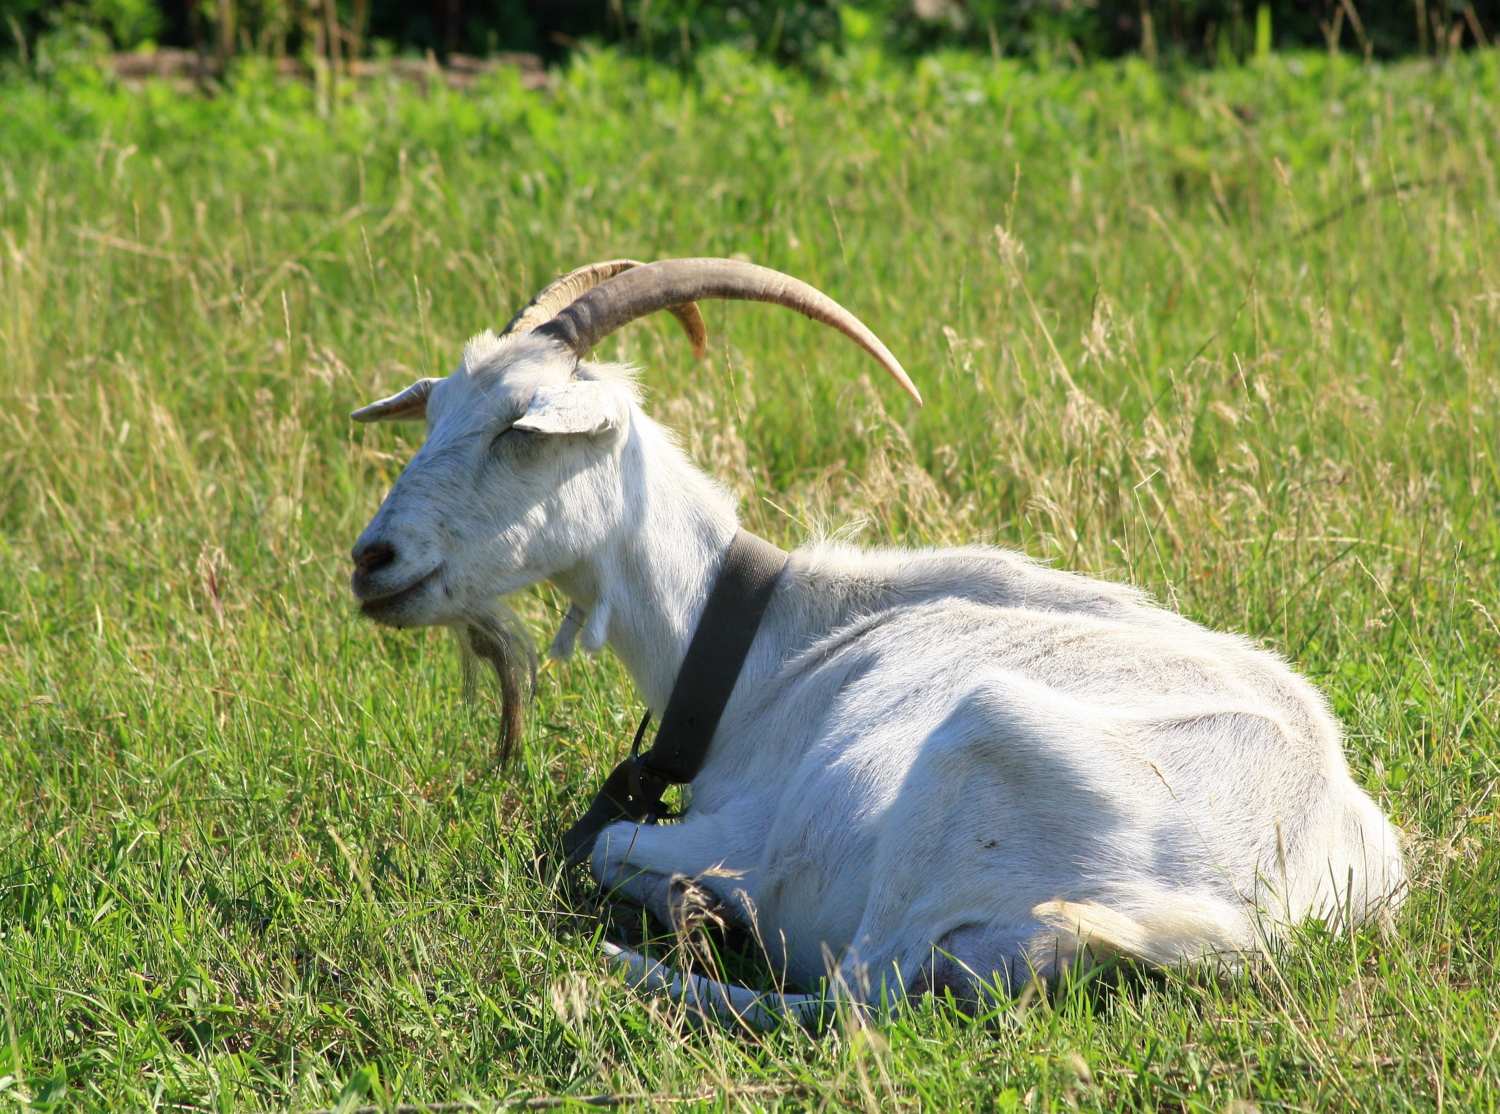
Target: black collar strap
[(738, 601)]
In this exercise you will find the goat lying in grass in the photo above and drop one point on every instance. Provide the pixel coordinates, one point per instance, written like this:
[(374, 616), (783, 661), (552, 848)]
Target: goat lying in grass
[(939, 770)]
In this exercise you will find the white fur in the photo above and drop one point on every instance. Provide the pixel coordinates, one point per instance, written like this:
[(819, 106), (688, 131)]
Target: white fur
[(941, 767)]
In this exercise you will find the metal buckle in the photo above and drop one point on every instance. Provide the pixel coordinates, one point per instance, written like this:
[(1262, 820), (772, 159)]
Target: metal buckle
[(646, 789)]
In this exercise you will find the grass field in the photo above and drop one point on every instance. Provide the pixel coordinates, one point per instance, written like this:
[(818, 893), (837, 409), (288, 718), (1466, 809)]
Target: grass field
[(1234, 337)]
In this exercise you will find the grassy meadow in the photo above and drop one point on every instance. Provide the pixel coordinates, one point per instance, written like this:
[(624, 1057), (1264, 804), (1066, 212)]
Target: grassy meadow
[(1231, 336)]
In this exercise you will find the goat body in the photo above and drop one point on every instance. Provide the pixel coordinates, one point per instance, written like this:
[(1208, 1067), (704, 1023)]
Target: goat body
[(943, 765)]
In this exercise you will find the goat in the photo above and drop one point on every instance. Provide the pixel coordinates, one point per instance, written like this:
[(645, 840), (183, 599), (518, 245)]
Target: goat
[(942, 770)]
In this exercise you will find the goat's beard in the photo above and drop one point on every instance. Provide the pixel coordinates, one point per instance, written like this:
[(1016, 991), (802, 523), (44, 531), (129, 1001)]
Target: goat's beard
[(495, 634)]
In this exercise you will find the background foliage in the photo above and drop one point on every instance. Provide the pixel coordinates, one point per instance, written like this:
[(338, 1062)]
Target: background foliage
[(799, 31)]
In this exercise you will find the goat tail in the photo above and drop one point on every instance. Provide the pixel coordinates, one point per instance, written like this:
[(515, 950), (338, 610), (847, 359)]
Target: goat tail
[(718, 1001), (1181, 930)]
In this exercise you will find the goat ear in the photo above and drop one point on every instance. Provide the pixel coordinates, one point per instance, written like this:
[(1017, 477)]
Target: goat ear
[(579, 407), (408, 406)]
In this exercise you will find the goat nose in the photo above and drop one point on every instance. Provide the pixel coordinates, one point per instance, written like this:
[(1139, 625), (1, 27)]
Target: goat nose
[(373, 556)]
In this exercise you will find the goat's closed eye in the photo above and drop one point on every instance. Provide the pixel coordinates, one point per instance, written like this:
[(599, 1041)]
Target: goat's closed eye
[(510, 439)]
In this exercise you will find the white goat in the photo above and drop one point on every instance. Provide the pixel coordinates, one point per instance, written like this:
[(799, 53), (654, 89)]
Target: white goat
[(940, 769)]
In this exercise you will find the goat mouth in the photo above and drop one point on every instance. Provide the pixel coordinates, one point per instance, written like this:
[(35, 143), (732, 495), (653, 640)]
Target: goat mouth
[(380, 608)]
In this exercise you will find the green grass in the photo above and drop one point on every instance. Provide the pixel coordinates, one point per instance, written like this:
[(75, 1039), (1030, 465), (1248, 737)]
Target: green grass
[(1235, 341)]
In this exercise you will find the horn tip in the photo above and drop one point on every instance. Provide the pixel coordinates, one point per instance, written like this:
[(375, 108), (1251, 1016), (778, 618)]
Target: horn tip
[(898, 373)]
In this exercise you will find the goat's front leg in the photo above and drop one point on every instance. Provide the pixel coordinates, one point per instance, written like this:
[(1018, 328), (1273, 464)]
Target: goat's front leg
[(629, 863), (675, 900)]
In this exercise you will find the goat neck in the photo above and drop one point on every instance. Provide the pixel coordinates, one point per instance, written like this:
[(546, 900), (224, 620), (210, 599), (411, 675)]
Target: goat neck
[(644, 589)]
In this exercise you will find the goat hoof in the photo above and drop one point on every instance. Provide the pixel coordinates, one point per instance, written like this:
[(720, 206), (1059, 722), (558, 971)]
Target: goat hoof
[(692, 907)]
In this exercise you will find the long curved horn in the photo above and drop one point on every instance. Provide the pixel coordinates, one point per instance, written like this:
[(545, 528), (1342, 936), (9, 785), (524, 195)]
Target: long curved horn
[(561, 293), (634, 293)]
